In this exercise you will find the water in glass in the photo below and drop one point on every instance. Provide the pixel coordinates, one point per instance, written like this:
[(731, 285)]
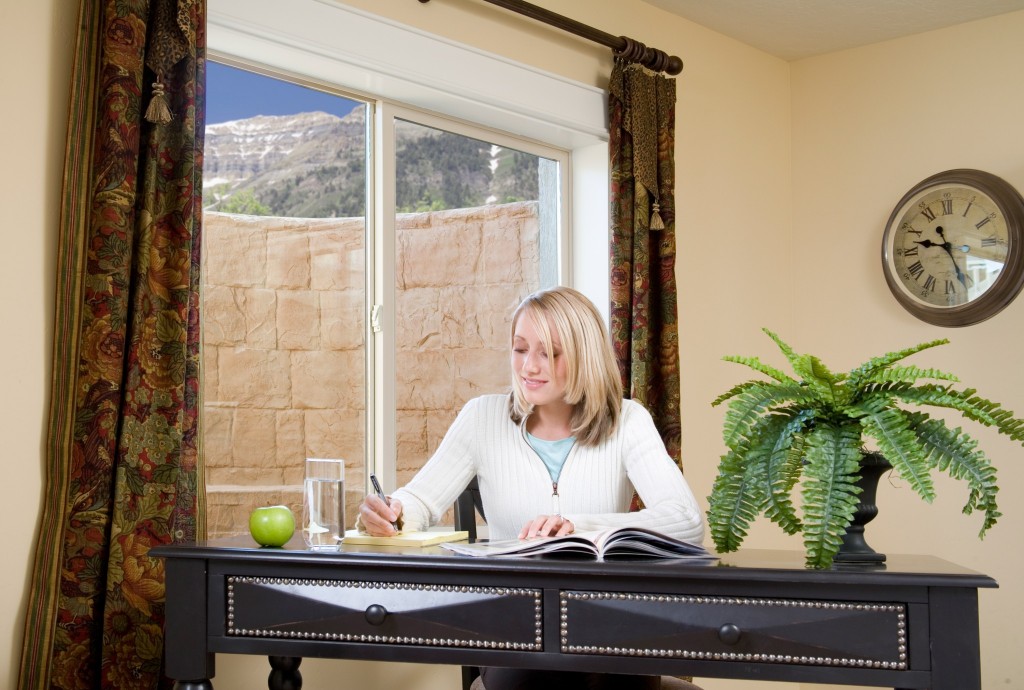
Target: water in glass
[(323, 504)]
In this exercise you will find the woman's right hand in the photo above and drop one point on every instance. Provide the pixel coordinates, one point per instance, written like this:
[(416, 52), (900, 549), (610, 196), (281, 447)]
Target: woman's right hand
[(376, 516), (547, 526)]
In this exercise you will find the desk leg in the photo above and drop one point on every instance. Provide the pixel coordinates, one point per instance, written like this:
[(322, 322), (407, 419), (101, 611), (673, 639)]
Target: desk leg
[(285, 674), (185, 652), (956, 650)]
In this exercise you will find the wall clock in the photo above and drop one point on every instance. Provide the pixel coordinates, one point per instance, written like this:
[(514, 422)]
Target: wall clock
[(953, 248)]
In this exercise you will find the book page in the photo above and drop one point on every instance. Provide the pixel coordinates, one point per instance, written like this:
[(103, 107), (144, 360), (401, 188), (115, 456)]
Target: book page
[(569, 544), (642, 541), (626, 542)]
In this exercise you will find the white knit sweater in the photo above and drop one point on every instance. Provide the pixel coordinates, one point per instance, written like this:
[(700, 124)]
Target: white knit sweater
[(594, 489)]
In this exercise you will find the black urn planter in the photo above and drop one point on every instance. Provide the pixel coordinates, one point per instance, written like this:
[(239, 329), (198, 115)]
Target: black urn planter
[(854, 549)]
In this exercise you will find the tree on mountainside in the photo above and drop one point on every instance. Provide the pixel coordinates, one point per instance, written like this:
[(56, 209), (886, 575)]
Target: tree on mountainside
[(245, 202)]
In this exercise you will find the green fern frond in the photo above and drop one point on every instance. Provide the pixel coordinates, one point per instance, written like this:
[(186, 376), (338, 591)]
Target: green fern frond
[(815, 374), (748, 407), (955, 453), (865, 371), (830, 490), (940, 396), (874, 398), (757, 365), (736, 499), (909, 374), (790, 354), (732, 392), (971, 406), (878, 394), (785, 462), (987, 412), (898, 443)]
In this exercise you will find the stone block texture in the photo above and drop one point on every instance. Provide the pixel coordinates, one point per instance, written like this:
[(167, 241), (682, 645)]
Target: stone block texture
[(284, 308)]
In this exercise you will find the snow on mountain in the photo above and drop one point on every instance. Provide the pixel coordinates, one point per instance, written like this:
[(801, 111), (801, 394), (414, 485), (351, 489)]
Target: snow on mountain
[(242, 150)]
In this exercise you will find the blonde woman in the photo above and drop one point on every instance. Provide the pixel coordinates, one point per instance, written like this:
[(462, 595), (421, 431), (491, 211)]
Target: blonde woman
[(562, 452)]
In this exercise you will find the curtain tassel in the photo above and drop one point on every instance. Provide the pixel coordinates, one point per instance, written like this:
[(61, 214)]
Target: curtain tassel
[(656, 222), (158, 111)]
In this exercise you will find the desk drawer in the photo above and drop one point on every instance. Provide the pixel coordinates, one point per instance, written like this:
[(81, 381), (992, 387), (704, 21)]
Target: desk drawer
[(809, 632), (385, 612)]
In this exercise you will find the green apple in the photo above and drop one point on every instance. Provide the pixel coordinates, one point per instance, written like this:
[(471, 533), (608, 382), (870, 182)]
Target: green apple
[(272, 525)]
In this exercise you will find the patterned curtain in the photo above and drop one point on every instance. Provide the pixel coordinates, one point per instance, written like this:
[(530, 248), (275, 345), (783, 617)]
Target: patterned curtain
[(644, 326), (122, 465)]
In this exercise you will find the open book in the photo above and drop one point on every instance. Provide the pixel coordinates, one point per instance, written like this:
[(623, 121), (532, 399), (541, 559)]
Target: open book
[(622, 542)]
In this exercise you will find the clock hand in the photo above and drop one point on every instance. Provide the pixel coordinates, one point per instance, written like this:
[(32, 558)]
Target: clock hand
[(928, 243), (948, 246), (945, 245)]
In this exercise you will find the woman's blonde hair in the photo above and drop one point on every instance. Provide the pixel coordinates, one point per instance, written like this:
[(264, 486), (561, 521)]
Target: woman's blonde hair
[(593, 385)]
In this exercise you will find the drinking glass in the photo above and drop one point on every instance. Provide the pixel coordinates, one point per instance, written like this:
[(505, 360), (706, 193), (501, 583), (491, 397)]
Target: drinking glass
[(323, 504)]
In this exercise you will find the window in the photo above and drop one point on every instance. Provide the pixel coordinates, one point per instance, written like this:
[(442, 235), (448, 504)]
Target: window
[(338, 49), (284, 293), (476, 229), (330, 332)]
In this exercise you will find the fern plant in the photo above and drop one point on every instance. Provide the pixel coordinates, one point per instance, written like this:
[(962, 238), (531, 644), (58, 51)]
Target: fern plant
[(812, 426)]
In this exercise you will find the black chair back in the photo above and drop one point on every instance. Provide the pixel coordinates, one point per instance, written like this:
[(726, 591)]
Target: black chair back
[(467, 505)]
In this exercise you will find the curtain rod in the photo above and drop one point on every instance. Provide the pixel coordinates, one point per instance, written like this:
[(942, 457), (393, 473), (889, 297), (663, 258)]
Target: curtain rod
[(624, 47)]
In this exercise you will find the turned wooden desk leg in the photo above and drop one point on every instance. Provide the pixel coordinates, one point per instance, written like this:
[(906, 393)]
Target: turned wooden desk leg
[(285, 674), (956, 649)]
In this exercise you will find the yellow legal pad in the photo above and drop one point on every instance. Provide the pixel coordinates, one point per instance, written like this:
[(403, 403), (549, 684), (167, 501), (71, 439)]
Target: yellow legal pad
[(404, 538)]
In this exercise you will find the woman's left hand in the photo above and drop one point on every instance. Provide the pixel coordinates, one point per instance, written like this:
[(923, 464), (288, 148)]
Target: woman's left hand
[(547, 526)]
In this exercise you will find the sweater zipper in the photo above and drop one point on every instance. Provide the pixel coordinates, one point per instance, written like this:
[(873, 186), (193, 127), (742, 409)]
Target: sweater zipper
[(555, 503)]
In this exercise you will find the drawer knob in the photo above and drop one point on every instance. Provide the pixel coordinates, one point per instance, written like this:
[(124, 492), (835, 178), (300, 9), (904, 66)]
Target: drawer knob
[(375, 614), (729, 633)]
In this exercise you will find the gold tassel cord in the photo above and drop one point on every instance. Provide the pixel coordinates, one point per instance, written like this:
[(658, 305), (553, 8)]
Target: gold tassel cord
[(159, 112), (656, 222), (172, 38)]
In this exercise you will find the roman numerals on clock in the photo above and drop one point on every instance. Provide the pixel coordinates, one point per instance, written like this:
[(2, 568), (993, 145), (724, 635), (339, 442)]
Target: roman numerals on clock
[(929, 283)]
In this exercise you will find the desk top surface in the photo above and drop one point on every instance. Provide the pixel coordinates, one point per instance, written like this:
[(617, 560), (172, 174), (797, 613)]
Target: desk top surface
[(766, 564)]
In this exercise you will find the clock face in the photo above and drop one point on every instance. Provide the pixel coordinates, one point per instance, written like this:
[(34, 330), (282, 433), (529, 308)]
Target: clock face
[(952, 249), (949, 245)]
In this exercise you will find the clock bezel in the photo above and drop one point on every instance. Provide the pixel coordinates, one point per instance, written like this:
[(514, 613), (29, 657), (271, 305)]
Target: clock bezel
[(1011, 279)]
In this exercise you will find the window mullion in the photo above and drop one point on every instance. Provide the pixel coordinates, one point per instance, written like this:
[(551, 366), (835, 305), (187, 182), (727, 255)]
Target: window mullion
[(381, 429)]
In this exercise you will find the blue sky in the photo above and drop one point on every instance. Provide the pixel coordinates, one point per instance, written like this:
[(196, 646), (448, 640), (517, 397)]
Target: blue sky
[(234, 94)]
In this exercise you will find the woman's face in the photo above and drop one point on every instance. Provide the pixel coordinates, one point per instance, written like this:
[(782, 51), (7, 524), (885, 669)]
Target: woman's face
[(542, 374)]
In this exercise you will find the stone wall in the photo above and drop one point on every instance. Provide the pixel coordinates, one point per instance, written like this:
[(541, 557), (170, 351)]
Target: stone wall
[(283, 323)]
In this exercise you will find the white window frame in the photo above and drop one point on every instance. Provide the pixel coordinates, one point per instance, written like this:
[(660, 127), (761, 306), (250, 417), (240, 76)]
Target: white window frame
[(381, 447), (339, 46)]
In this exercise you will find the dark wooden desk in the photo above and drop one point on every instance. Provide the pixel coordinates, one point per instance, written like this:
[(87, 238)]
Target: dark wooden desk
[(755, 615)]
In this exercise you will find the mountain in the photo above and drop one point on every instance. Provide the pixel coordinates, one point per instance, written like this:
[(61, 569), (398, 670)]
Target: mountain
[(307, 165), (312, 165)]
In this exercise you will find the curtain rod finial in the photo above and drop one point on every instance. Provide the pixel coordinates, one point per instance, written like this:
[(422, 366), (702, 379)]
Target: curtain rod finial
[(632, 50)]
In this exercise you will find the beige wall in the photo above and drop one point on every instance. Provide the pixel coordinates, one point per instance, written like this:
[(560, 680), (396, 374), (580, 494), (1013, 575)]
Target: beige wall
[(868, 124), (786, 174), (35, 66)]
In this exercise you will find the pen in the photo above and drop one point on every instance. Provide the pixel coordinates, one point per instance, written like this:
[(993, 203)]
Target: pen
[(381, 496)]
